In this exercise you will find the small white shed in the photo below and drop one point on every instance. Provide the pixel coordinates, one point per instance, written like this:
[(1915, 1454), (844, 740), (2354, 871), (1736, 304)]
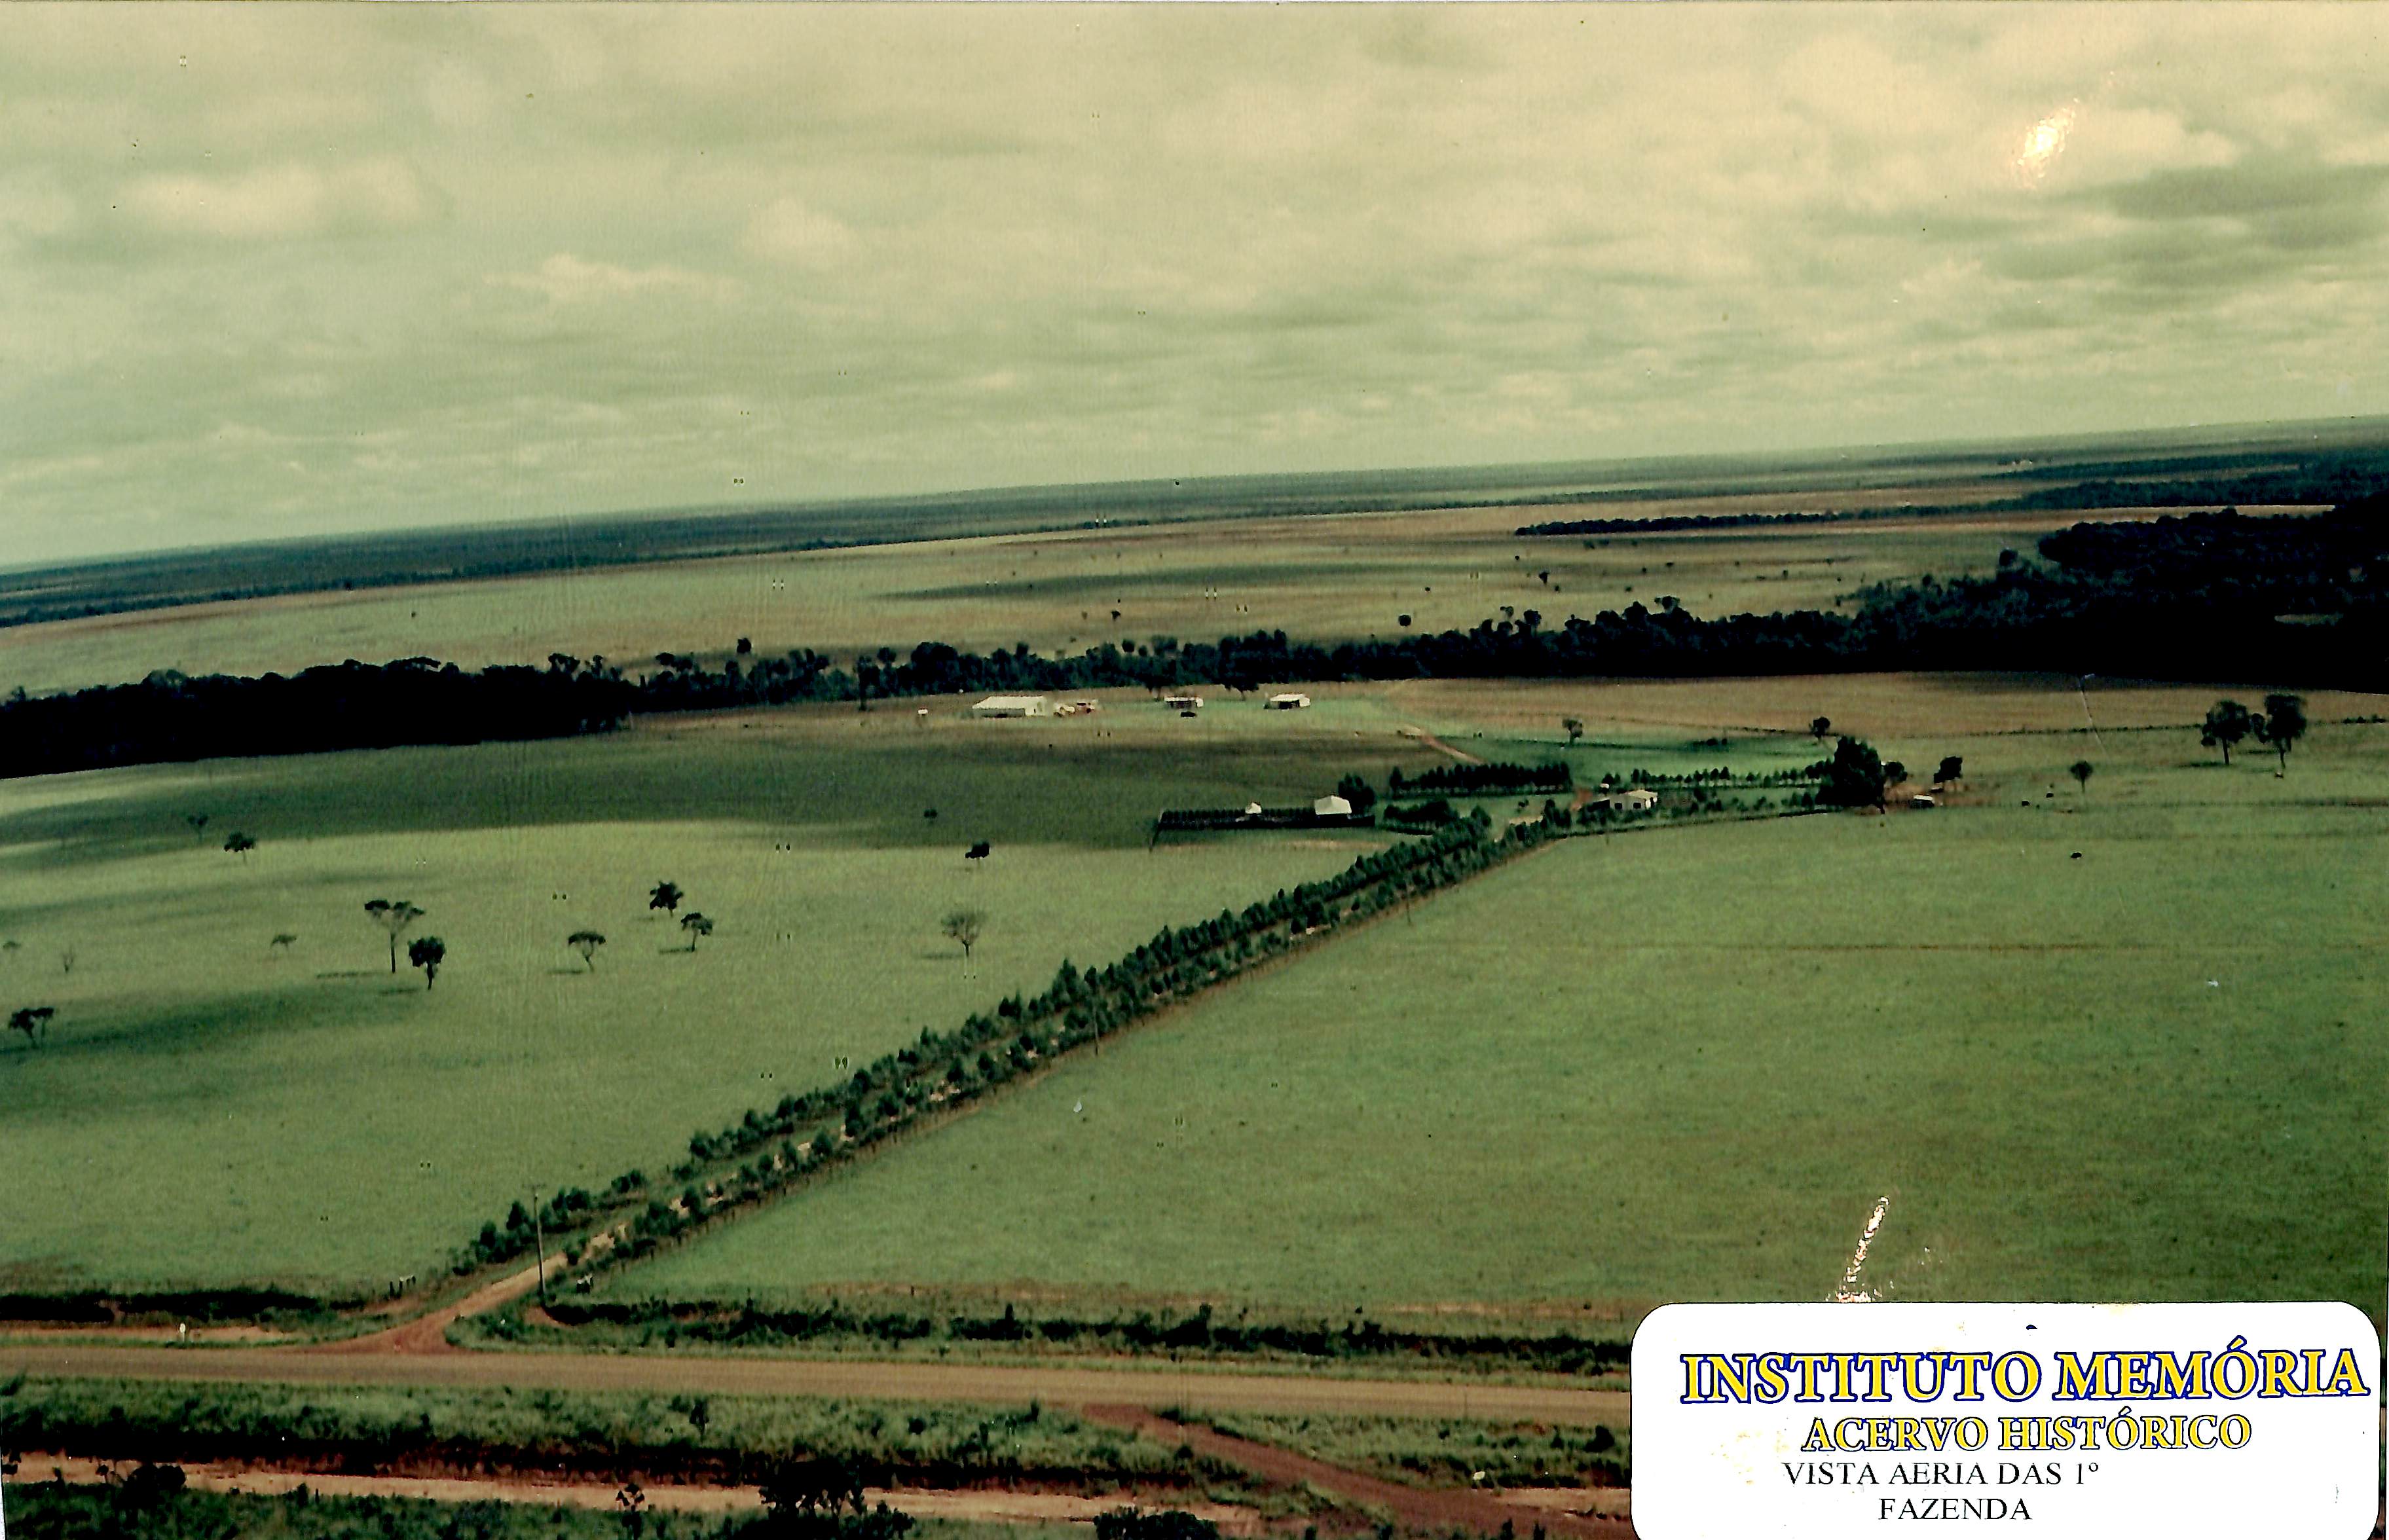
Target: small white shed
[(1012, 706), (1288, 702), (1332, 807)]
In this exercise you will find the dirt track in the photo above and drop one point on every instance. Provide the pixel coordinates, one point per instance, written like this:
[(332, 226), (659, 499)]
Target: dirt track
[(1413, 1508), (1068, 1385)]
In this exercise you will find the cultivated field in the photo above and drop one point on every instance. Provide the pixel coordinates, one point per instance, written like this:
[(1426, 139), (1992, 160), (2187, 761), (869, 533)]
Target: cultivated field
[(2119, 1044), (243, 1111), (1327, 578)]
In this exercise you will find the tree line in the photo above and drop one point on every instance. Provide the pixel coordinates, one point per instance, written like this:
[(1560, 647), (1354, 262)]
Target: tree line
[(659, 1322), (2204, 596), (770, 1148)]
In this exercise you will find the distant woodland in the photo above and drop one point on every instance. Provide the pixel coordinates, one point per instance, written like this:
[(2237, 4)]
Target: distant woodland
[(2219, 595)]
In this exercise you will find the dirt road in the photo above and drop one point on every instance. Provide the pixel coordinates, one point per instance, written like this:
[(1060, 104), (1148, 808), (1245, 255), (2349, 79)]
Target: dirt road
[(1066, 1385), (1414, 1507)]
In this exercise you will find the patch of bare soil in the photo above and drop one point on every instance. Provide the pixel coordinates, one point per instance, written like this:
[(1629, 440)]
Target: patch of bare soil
[(1413, 1506)]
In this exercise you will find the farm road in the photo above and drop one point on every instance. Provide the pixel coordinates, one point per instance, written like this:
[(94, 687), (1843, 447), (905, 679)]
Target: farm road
[(1062, 1385), (1415, 1507)]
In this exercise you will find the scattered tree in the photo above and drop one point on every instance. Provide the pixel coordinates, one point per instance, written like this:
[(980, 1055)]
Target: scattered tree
[(1129, 1523), (394, 915), (66, 959), (428, 952), (2283, 723), (199, 822), (963, 927), (1953, 768), (586, 943), (666, 896), (10, 948), (281, 942), (813, 1485), (1574, 727), (2227, 723), (2082, 769), (1404, 620), (977, 853), (33, 1021), (1854, 777), (695, 925), (1819, 727), (1895, 773), (240, 845)]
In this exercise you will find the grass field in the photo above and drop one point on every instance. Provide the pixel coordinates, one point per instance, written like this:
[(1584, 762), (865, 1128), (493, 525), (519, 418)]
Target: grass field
[(241, 1113), (1326, 577), (362, 1428), (1687, 1064)]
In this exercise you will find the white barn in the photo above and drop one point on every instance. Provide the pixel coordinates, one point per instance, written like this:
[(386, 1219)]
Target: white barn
[(1288, 702), (1332, 807), (1012, 706)]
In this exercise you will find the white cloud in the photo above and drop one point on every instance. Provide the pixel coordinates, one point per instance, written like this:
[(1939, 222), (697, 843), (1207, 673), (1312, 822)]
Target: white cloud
[(788, 229), (283, 201), (566, 279)]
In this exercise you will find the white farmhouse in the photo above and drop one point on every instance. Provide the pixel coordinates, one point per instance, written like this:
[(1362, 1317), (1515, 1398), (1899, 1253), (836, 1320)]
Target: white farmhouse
[(1012, 706)]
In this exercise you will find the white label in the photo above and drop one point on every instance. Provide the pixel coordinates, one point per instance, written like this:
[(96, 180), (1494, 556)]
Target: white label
[(2050, 1420)]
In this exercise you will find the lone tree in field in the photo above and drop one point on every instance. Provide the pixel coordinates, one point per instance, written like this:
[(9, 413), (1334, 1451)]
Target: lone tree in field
[(1819, 727), (1895, 773), (695, 925), (428, 952), (2227, 723), (2082, 770), (280, 945), (976, 854), (199, 822), (33, 1021), (1953, 768), (2283, 723), (240, 845), (963, 927), (396, 916), (666, 896), (1854, 777), (1574, 728), (586, 943)]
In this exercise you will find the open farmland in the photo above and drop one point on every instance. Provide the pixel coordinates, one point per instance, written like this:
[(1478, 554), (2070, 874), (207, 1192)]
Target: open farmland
[(1327, 578), (243, 1111), (1686, 1063)]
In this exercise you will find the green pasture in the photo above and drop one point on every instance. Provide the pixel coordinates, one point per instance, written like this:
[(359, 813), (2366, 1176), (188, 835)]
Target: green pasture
[(209, 1109), (1318, 578), (2124, 1043)]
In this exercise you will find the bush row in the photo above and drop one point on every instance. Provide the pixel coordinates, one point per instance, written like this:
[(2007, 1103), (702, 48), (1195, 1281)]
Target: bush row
[(423, 1430), (1143, 1332), (774, 1146), (1471, 780)]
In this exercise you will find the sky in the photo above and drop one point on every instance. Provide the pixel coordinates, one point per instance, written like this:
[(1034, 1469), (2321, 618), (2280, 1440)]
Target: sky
[(272, 272)]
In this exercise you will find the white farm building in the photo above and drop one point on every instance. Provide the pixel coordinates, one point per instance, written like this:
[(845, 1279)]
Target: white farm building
[(1013, 705), (1288, 702), (1332, 807)]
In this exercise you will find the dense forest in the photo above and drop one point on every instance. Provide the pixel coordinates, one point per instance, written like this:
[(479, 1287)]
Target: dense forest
[(2301, 599)]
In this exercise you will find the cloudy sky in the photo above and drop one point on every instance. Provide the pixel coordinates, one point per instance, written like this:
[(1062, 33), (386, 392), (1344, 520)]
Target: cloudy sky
[(282, 270)]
